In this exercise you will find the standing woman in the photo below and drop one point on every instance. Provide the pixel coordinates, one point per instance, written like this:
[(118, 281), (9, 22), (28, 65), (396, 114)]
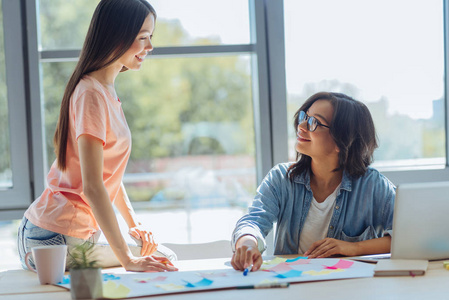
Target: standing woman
[(329, 202), (92, 144)]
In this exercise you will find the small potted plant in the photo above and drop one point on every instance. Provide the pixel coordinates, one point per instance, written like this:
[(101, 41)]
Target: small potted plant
[(86, 281)]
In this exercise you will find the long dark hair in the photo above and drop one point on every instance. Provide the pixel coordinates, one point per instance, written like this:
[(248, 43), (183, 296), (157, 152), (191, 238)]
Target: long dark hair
[(352, 129), (113, 29)]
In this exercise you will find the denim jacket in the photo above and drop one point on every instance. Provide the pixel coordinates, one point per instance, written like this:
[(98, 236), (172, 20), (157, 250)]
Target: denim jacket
[(363, 209)]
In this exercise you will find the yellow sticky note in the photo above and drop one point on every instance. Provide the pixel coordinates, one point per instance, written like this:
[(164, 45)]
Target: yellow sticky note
[(268, 281), (275, 261), (322, 272), (113, 290), (170, 286), (445, 263)]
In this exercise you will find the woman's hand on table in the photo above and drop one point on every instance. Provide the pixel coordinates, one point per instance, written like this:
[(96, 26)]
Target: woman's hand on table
[(329, 247), (150, 264)]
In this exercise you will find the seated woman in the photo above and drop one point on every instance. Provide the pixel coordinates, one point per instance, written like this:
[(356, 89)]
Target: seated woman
[(329, 202)]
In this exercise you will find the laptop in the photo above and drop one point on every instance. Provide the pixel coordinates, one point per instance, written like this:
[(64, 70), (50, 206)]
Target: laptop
[(420, 223)]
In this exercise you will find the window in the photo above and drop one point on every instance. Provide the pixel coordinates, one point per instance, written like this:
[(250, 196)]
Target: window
[(14, 168), (390, 55), (186, 23), (193, 157), (62, 27), (5, 158), (209, 110)]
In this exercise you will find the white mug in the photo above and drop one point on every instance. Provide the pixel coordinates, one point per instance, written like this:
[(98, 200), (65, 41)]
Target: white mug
[(49, 262)]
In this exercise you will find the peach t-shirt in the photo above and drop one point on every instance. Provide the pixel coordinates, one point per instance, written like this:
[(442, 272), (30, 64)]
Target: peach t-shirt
[(63, 207)]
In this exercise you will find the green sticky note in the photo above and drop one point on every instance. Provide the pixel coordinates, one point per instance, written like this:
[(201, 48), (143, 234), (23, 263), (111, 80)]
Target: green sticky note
[(113, 290)]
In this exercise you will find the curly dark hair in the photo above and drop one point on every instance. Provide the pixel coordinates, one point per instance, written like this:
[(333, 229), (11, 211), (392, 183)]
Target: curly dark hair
[(352, 129)]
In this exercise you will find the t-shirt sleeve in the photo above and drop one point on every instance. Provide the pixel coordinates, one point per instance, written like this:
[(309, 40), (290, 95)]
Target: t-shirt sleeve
[(90, 115)]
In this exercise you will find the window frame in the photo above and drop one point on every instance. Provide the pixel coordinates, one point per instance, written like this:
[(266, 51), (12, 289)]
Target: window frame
[(269, 96), (16, 198), (259, 45)]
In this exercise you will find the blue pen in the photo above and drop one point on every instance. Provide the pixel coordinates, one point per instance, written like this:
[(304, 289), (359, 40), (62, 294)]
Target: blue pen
[(247, 270)]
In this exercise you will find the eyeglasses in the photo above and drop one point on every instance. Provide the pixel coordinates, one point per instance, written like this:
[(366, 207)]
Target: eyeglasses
[(312, 122)]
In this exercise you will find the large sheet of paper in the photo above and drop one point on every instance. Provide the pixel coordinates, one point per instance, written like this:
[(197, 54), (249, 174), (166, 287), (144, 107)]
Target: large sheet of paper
[(277, 270)]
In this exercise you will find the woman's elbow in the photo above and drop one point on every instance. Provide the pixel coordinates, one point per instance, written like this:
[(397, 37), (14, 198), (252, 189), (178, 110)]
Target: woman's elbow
[(93, 191)]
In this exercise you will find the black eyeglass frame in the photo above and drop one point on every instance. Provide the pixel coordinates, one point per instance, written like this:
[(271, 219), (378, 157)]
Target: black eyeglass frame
[(312, 122)]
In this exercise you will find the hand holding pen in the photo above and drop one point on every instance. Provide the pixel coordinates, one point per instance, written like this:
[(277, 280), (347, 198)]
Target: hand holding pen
[(247, 255), (247, 270)]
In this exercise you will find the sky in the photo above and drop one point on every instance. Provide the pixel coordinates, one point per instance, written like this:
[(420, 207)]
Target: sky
[(386, 48)]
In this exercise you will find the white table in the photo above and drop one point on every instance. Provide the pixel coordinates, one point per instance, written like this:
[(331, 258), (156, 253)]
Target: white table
[(20, 284)]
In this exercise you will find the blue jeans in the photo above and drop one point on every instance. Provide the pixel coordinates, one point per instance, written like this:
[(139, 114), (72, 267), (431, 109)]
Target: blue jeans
[(30, 235)]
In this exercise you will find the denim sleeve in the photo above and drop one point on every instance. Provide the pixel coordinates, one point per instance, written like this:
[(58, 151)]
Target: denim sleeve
[(263, 212)]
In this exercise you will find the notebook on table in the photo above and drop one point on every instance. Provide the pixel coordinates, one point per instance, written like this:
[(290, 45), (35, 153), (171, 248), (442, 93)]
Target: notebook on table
[(420, 223), (401, 267)]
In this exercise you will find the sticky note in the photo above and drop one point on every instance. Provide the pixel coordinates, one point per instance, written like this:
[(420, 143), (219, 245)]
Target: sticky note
[(342, 264), (113, 290), (299, 262), (268, 281), (65, 279), (289, 274), (296, 259), (322, 272), (110, 277), (280, 268), (275, 261), (146, 280), (445, 263), (203, 282)]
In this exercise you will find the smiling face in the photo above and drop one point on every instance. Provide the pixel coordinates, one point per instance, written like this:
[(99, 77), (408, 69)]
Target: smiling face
[(135, 55), (318, 144)]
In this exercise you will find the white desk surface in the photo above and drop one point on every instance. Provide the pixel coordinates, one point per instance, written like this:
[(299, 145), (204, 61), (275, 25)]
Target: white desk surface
[(21, 284)]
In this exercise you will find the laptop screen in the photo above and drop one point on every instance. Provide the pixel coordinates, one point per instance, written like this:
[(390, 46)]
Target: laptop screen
[(421, 221)]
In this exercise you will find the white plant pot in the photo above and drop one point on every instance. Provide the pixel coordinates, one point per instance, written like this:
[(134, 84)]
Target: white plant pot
[(86, 283)]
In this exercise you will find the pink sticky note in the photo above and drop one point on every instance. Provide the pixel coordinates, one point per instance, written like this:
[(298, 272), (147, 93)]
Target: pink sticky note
[(342, 264), (299, 262), (280, 268), (159, 278)]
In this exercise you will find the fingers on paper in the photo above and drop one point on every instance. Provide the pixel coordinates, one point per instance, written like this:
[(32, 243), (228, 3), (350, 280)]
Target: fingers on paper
[(159, 265), (257, 263), (162, 260), (244, 257)]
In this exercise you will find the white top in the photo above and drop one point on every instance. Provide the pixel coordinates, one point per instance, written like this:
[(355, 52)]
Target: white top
[(317, 221)]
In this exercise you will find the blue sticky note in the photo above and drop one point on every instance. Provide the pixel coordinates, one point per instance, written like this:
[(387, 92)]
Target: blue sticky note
[(295, 259), (203, 282), (65, 280), (107, 277), (289, 274)]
